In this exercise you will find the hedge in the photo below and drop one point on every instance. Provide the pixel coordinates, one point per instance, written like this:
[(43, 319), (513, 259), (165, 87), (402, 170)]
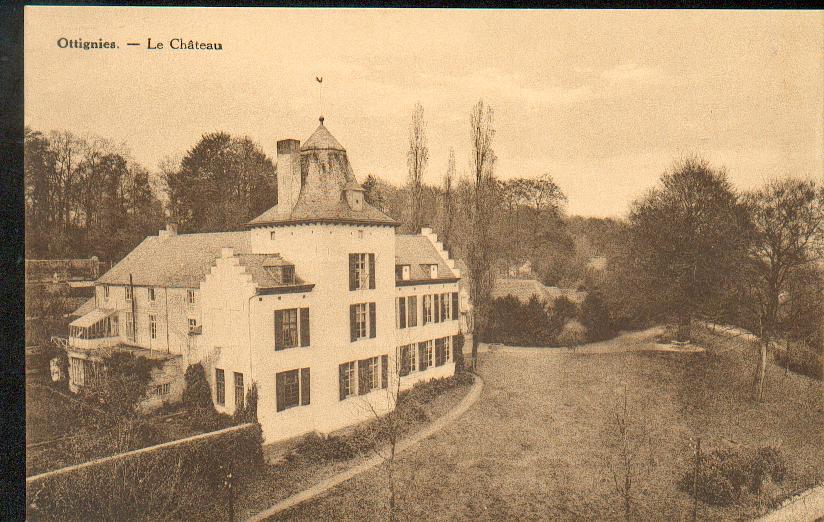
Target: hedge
[(159, 482)]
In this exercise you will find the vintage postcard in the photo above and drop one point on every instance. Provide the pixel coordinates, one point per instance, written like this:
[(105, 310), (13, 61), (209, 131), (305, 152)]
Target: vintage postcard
[(400, 264)]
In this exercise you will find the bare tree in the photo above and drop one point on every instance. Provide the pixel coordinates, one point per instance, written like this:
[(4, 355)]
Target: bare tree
[(633, 459), (787, 236), (482, 161), (416, 159), (448, 207)]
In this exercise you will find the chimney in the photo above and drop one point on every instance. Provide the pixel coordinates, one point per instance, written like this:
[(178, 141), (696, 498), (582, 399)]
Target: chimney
[(171, 230), (289, 182)]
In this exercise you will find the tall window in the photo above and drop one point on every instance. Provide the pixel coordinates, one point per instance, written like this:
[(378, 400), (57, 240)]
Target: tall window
[(191, 296), (445, 307), (368, 375), (406, 356), (427, 309), (424, 355), (441, 351), (129, 321), (220, 386), (291, 328), (437, 307), (347, 380), (192, 324), (106, 291), (153, 326), (455, 308), (239, 395), (292, 388), (412, 311), (361, 271), (362, 321), (128, 293), (151, 294)]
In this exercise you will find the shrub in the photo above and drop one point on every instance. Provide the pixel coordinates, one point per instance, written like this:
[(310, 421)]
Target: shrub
[(595, 317), (724, 474), (572, 334), (526, 324), (801, 359), (197, 393)]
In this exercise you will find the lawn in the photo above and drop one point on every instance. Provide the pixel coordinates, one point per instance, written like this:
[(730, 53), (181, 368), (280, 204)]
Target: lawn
[(50, 415), (541, 441)]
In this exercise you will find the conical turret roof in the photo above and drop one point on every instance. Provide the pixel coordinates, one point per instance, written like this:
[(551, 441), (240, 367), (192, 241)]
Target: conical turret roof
[(326, 174)]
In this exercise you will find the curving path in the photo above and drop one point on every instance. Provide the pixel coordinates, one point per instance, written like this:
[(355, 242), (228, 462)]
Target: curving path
[(325, 485)]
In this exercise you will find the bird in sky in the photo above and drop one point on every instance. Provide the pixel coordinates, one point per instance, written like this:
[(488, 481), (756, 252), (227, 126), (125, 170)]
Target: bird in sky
[(319, 79)]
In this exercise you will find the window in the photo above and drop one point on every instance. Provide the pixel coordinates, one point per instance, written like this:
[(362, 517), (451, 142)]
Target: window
[(191, 296), (128, 293), (436, 298), (105, 291), (151, 294), (427, 309), (412, 311), (406, 355), (239, 392), (425, 355), (401, 312), (445, 307), (369, 375), (433, 271), (362, 318), (291, 328), (455, 308), (162, 390), (129, 321), (347, 381), (361, 271), (153, 326), (272, 235), (192, 324), (441, 351), (292, 388), (220, 386)]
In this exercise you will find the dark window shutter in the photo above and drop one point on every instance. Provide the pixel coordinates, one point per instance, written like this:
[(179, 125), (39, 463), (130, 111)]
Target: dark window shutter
[(353, 282), (353, 329), (279, 391), (305, 386), (342, 380), (372, 320), (363, 367), (454, 305), (436, 304), (278, 330), (384, 371), (304, 327), (402, 312), (372, 271)]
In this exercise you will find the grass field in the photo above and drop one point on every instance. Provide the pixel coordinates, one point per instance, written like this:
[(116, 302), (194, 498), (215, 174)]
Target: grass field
[(541, 444)]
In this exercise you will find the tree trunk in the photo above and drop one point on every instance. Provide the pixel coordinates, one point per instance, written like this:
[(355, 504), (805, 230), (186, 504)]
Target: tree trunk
[(761, 372)]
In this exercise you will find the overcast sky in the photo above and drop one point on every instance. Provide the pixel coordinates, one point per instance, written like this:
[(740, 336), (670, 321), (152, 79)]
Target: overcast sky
[(603, 101)]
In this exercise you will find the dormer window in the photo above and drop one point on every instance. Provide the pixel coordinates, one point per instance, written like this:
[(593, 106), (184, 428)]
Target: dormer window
[(402, 272), (283, 274)]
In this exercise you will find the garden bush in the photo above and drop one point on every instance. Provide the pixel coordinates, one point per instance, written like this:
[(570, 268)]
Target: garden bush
[(801, 359), (725, 474), (573, 333), (595, 317)]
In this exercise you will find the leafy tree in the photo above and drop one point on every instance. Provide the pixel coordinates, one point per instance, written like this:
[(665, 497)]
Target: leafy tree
[(786, 236), (122, 383), (197, 393), (687, 235), (222, 183)]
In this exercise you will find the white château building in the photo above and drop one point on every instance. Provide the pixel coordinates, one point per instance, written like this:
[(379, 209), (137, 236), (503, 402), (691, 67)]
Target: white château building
[(318, 301)]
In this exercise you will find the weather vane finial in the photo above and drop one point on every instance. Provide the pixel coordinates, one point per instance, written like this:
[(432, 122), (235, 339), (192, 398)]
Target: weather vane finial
[(319, 79)]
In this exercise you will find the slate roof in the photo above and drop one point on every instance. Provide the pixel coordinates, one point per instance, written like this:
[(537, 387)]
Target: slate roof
[(524, 289), (180, 261), (326, 172), (85, 308), (256, 267), (418, 252)]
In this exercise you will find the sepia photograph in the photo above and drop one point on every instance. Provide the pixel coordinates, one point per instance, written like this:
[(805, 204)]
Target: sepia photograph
[(423, 264)]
